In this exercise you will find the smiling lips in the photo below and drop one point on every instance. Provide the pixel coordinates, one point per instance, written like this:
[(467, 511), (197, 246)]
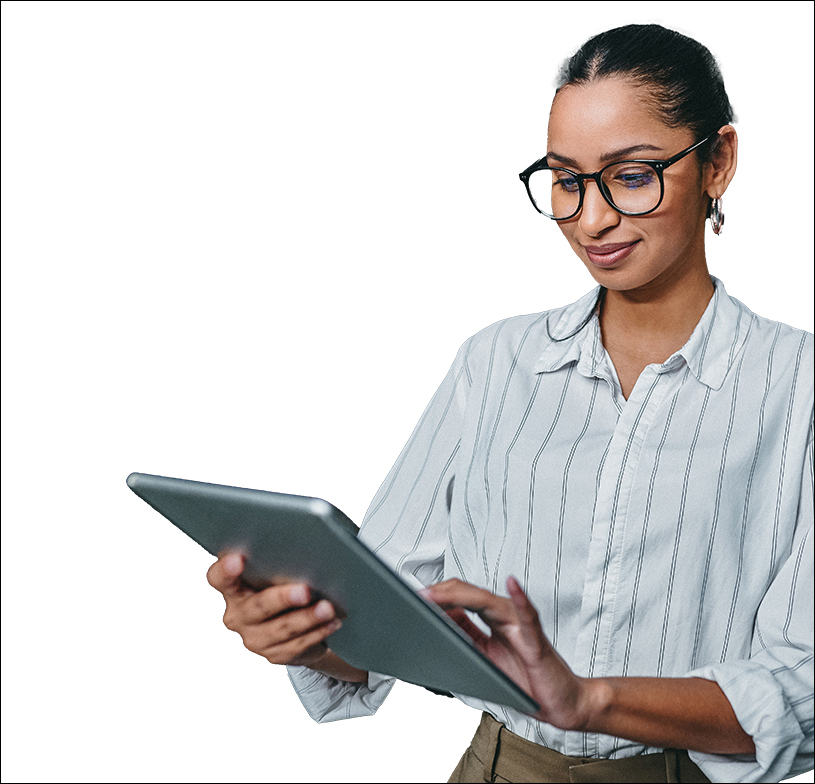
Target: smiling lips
[(609, 255)]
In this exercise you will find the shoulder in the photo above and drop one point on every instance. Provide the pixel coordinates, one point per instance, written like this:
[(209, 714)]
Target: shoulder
[(508, 333), (506, 342), (778, 347), (526, 337), (771, 368), (768, 330)]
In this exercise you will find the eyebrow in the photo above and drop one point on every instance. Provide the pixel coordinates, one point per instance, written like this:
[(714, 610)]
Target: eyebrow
[(608, 156)]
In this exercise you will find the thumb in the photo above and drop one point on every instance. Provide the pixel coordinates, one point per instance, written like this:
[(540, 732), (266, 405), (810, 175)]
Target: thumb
[(225, 574)]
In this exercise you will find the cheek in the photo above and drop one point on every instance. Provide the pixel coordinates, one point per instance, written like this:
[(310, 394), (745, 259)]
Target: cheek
[(685, 200), (677, 220), (567, 229), (681, 223)]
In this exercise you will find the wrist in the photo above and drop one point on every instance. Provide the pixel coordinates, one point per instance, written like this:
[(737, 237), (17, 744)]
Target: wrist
[(332, 665), (315, 660), (312, 658), (594, 701)]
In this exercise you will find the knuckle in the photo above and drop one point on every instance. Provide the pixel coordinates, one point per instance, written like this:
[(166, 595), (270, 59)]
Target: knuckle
[(286, 627), (249, 643), (230, 619), (280, 654), (259, 605), (300, 645), (530, 609)]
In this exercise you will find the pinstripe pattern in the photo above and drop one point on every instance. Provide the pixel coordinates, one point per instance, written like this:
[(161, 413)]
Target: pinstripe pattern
[(562, 516), (666, 535), (505, 485), (750, 478), (780, 494), (716, 510), (492, 440), (535, 461), (485, 398), (679, 522), (641, 552), (606, 571)]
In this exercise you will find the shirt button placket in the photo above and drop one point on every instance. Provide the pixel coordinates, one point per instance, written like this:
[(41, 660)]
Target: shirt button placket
[(607, 549)]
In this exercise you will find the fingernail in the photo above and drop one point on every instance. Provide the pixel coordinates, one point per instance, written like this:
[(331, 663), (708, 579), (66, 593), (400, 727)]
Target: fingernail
[(299, 594), (324, 610), (233, 564), (334, 625)]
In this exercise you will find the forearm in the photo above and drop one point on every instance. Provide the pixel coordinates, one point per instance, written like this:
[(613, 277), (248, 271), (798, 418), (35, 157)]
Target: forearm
[(332, 665), (680, 713)]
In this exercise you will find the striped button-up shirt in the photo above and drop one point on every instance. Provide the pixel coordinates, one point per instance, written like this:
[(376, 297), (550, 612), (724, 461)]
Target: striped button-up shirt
[(666, 535)]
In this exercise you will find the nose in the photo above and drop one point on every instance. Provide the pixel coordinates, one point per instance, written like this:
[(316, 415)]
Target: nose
[(597, 215)]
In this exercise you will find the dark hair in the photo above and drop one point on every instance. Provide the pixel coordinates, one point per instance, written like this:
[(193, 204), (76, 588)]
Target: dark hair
[(681, 75)]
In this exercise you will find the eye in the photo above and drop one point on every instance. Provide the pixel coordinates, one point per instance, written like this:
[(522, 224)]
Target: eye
[(633, 177), (566, 183)]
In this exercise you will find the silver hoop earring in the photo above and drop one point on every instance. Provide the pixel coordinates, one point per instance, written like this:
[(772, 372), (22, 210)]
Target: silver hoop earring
[(716, 215)]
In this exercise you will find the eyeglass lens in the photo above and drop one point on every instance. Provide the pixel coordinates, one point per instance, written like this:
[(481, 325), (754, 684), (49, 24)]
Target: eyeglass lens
[(631, 186)]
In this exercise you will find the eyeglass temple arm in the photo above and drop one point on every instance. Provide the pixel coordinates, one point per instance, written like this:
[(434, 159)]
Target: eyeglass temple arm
[(681, 155), (541, 162)]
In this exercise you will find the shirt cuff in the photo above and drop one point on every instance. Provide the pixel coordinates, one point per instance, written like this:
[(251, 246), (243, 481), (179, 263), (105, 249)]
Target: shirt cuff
[(328, 699), (763, 713)]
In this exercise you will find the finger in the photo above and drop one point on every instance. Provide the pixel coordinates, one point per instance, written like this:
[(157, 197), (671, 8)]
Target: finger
[(287, 626), (456, 593), (284, 653), (467, 626), (275, 600), (225, 574), (528, 618), (521, 601)]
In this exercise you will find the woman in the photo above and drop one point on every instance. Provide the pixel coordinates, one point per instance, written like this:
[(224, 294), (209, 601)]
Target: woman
[(637, 465)]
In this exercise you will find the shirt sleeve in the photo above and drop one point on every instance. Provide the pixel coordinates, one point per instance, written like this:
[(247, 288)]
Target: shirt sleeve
[(406, 526), (772, 692)]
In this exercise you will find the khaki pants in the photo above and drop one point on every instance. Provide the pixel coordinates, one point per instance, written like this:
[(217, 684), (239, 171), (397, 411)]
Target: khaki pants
[(496, 754)]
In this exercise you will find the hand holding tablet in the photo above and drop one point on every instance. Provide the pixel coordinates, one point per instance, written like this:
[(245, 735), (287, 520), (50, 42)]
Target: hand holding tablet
[(283, 623), (292, 540)]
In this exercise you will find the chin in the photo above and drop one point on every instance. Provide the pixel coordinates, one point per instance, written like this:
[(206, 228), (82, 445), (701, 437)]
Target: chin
[(620, 279)]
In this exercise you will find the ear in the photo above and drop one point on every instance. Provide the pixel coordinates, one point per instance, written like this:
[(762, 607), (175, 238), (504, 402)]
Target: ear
[(722, 165)]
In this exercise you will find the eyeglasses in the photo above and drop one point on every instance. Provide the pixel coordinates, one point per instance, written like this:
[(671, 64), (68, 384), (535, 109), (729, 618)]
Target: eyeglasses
[(630, 187)]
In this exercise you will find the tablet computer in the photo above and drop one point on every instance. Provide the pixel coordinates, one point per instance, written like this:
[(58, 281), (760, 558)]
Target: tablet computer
[(387, 627)]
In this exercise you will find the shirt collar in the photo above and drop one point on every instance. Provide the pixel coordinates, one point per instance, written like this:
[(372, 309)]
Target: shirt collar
[(708, 353)]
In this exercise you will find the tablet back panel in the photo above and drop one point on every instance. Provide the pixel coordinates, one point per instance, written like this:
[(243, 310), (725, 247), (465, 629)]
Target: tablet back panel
[(387, 628)]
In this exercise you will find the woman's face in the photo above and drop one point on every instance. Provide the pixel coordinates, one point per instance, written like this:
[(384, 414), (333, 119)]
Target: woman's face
[(610, 120)]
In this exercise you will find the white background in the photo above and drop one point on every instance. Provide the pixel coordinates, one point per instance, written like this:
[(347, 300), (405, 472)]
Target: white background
[(242, 243)]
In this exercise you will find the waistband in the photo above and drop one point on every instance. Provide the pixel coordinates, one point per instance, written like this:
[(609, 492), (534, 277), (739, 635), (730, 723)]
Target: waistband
[(509, 757)]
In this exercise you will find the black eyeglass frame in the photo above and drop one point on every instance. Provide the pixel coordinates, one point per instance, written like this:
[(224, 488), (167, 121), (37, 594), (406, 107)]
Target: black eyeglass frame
[(658, 166)]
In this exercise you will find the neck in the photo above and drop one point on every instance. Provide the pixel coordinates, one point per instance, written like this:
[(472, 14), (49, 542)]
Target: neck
[(657, 319)]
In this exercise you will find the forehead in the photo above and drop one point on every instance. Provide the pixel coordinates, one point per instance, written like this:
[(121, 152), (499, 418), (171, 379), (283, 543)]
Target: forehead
[(589, 120)]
